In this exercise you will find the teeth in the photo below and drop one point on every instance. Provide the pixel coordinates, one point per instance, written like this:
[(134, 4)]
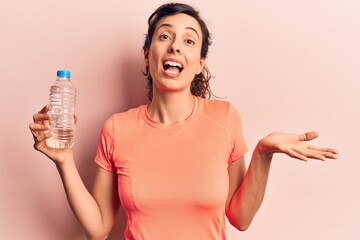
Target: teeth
[(173, 64)]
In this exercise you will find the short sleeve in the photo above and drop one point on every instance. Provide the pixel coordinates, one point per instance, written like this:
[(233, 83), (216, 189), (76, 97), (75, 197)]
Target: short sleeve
[(236, 135), (105, 150)]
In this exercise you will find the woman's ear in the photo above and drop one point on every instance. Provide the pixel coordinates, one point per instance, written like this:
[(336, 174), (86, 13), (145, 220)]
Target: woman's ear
[(146, 57), (201, 65)]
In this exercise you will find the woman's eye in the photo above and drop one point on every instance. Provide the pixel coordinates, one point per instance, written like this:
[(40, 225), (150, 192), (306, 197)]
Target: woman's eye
[(190, 42), (164, 37)]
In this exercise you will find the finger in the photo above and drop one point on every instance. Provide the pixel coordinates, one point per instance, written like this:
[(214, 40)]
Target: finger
[(45, 109), (311, 154), (38, 127), (297, 155), (40, 146), (331, 150), (330, 155), (39, 132), (308, 136), (327, 154), (41, 117), (42, 137)]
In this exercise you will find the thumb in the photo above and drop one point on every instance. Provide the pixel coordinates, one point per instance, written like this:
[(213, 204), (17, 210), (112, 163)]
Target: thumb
[(308, 136)]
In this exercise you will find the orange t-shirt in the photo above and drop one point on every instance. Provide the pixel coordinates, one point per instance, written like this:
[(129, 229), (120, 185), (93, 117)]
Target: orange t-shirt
[(172, 178)]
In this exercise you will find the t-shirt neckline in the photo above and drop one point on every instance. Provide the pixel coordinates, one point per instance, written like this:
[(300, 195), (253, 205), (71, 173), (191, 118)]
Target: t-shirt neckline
[(156, 124)]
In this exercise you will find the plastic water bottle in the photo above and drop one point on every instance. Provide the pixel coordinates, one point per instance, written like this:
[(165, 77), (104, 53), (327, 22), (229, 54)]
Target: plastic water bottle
[(62, 108)]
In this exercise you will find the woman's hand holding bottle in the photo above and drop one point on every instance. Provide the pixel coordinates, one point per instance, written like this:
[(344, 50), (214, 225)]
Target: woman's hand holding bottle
[(40, 130)]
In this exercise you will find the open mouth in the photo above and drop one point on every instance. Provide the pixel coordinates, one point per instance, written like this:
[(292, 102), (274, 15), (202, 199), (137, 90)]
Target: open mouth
[(172, 67)]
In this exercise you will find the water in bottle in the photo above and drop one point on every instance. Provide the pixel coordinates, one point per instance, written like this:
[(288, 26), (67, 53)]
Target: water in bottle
[(62, 110)]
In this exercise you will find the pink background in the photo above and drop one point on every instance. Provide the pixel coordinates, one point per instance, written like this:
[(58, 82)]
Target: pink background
[(286, 65)]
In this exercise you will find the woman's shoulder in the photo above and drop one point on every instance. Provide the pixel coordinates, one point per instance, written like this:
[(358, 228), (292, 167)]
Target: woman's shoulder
[(129, 116), (215, 105), (215, 110), (219, 111), (132, 112)]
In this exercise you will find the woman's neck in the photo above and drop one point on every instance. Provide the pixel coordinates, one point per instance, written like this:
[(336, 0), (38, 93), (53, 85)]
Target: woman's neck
[(171, 107)]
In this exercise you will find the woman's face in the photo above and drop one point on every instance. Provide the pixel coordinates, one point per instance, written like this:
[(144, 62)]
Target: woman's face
[(174, 55)]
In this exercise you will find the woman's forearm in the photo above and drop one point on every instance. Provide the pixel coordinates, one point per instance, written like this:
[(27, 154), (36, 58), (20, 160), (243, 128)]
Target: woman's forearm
[(81, 201), (249, 196)]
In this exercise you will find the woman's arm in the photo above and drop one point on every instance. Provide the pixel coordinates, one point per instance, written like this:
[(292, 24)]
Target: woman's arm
[(95, 212), (246, 193)]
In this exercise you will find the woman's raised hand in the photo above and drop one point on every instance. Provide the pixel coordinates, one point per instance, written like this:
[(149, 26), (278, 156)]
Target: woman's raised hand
[(40, 130), (295, 146)]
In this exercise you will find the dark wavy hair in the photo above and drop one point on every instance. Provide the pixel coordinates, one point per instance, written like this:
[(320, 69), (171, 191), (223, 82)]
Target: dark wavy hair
[(200, 84)]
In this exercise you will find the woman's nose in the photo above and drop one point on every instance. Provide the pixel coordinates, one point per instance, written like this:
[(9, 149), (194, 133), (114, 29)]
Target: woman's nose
[(174, 48)]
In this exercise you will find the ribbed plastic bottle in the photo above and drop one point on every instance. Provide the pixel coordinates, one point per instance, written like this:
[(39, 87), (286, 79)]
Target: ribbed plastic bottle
[(62, 108)]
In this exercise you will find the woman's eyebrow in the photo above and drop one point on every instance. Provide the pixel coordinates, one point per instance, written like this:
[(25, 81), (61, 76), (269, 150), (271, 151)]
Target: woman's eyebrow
[(193, 29), (170, 26)]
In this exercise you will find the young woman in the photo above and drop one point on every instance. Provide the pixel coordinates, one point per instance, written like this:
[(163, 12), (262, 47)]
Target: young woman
[(176, 165)]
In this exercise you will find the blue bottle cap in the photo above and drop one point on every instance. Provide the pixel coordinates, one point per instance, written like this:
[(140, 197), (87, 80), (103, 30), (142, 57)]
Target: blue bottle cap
[(63, 73)]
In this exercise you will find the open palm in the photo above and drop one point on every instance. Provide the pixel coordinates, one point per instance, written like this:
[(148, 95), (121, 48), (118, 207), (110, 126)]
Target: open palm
[(296, 146)]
